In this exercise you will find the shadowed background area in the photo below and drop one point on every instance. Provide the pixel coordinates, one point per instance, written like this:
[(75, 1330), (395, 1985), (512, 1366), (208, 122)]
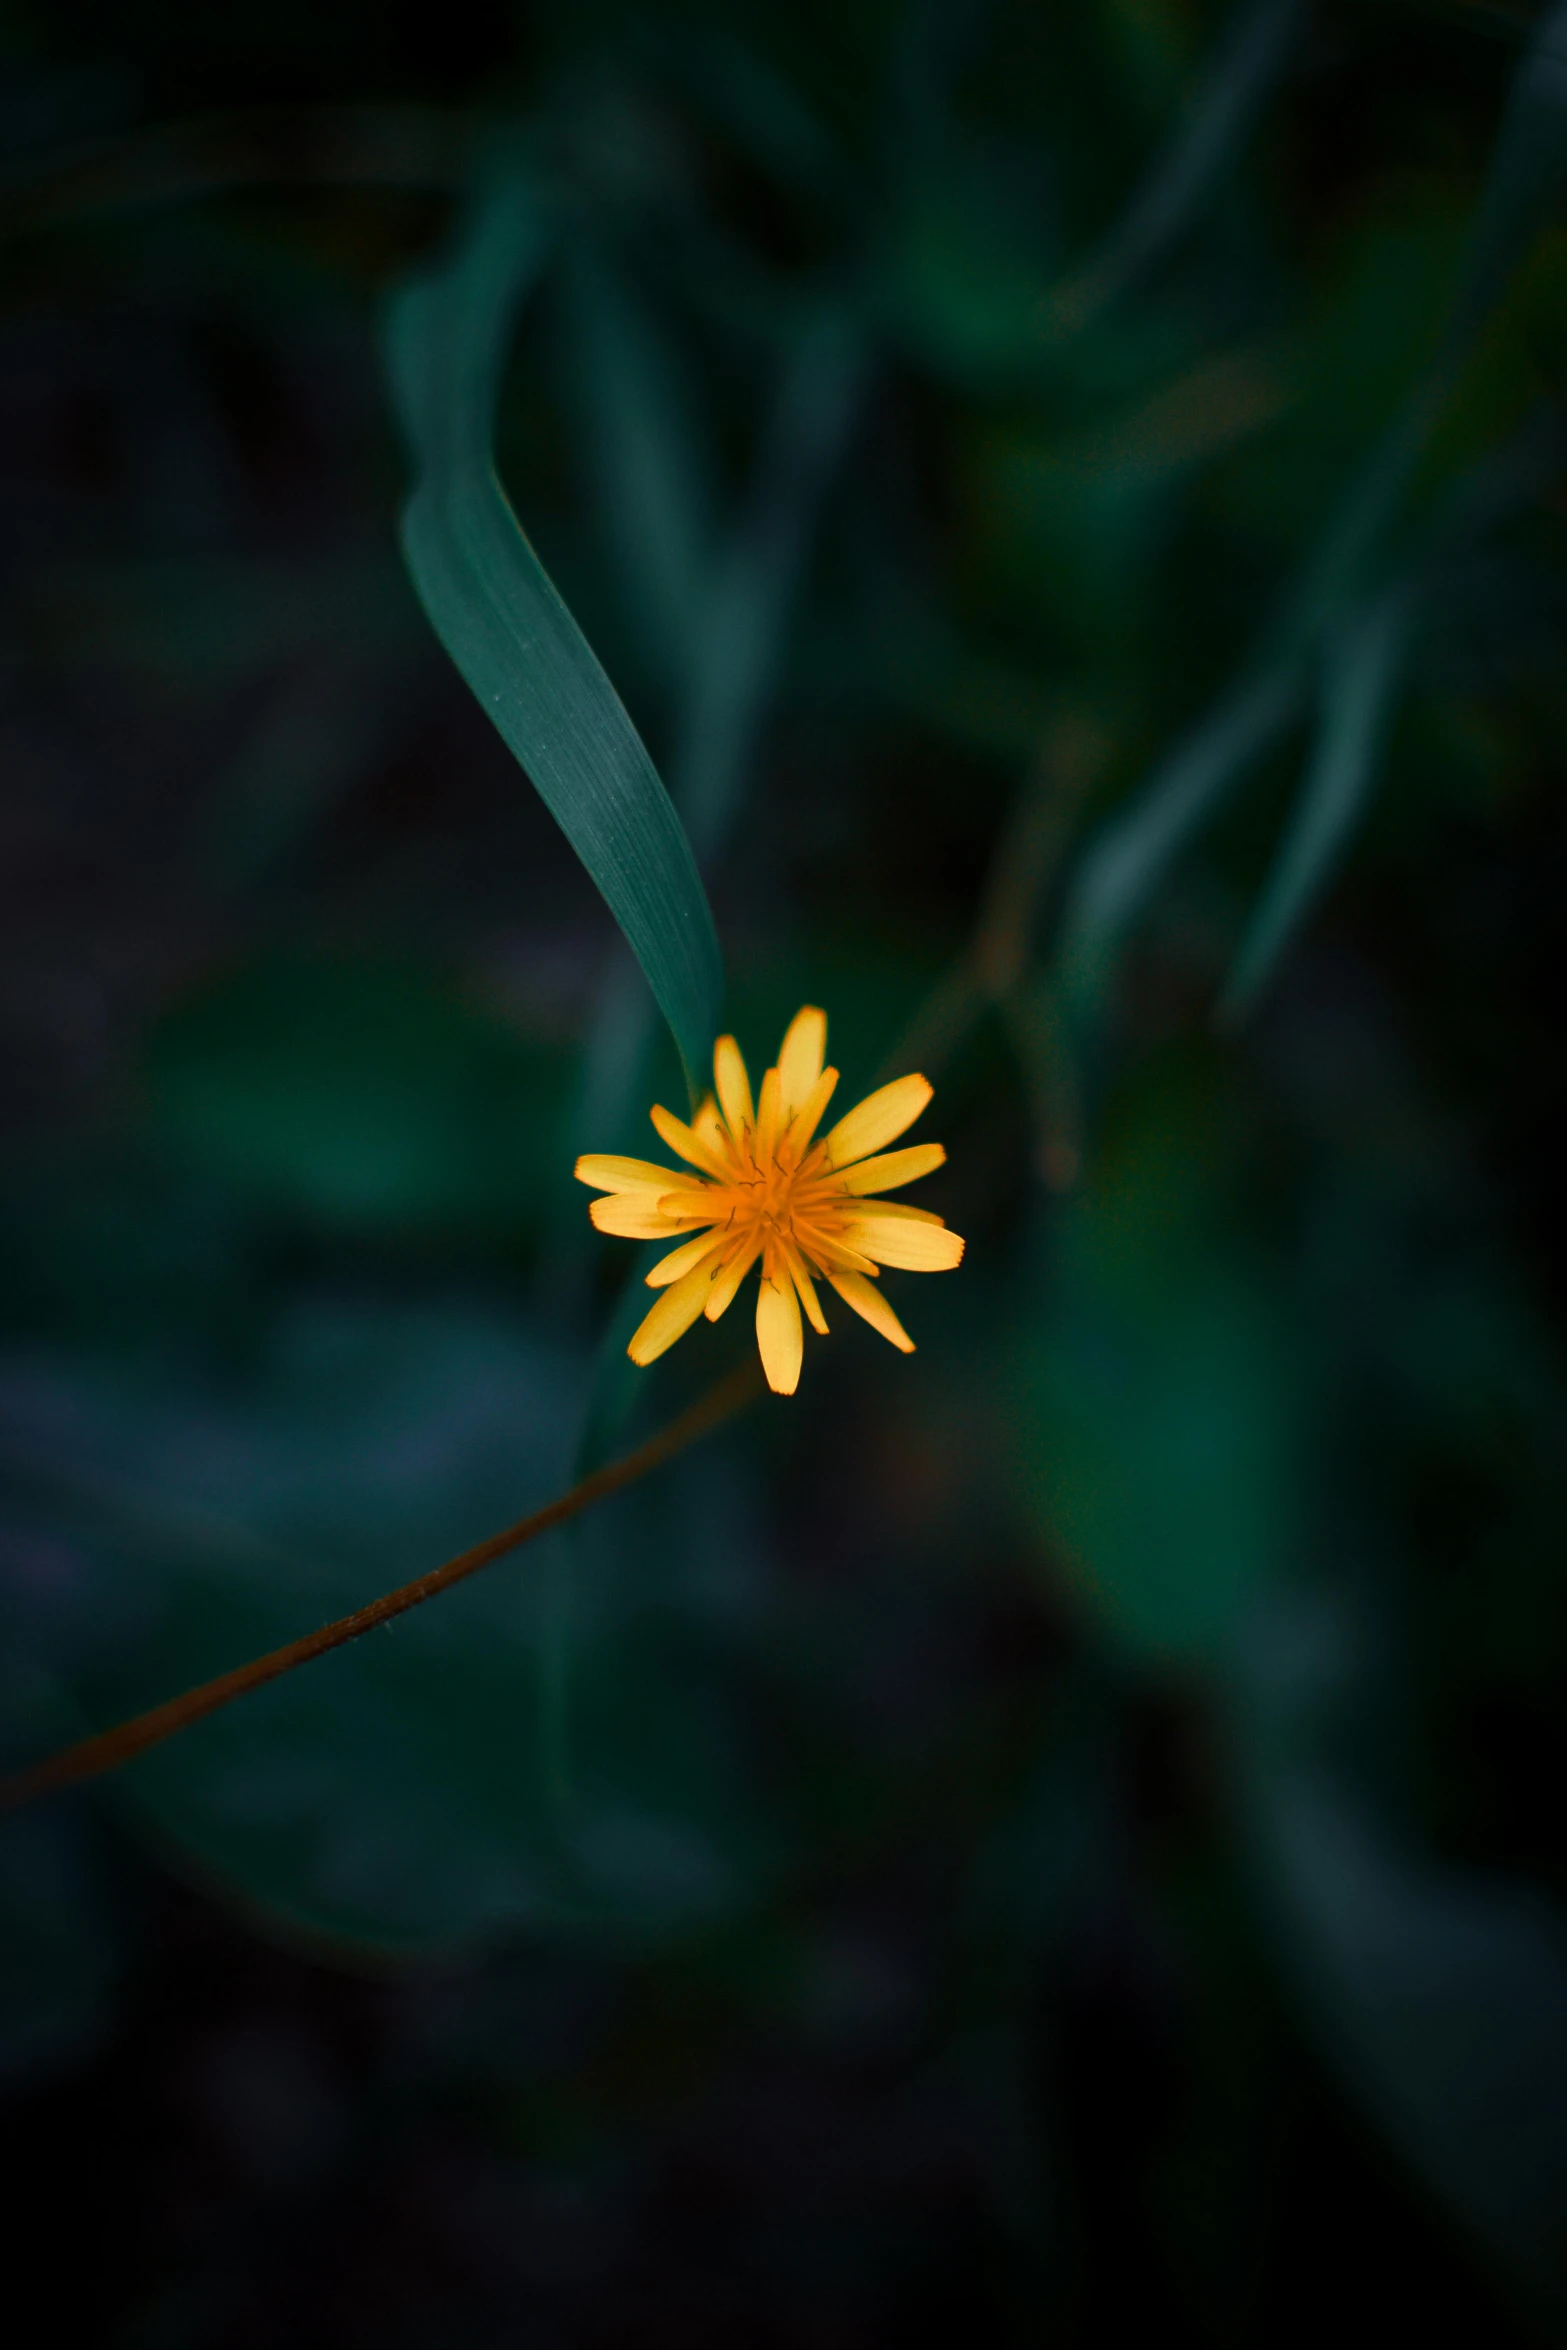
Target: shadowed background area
[(1050, 1838)]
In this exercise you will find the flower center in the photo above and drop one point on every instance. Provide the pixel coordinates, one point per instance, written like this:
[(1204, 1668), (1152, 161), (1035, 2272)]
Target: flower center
[(767, 1197), (767, 1189)]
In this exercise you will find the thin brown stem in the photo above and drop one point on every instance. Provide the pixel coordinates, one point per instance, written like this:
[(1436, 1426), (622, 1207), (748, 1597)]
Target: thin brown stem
[(91, 1757)]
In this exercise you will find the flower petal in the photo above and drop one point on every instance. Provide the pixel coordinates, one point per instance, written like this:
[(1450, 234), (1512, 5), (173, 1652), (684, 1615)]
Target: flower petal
[(629, 1175), (847, 1205), (680, 1260), (707, 1125), (696, 1206), (694, 1144), (634, 1219), (768, 1118), (879, 1119), (894, 1167), (801, 1055), (779, 1337), (729, 1280), (734, 1087), (830, 1250), (899, 1240), (867, 1300), (808, 1115), (671, 1317), (805, 1285)]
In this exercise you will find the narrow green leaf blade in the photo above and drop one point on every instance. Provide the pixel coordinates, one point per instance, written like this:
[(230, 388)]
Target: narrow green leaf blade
[(1240, 79), (1527, 167), (1358, 694), (496, 611), (1133, 852), (1526, 175)]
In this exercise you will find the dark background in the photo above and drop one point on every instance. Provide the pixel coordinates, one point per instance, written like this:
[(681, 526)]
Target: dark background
[(1052, 1838)]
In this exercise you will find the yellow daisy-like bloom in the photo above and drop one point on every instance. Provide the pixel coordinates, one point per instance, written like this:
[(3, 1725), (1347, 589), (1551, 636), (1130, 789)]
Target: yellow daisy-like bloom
[(765, 1188)]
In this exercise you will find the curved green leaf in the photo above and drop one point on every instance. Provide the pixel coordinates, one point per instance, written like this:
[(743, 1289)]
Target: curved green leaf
[(1153, 1399), (1358, 691), (495, 609), (1526, 172), (1524, 179), (364, 1093), (1130, 855), (1133, 852), (1252, 54)]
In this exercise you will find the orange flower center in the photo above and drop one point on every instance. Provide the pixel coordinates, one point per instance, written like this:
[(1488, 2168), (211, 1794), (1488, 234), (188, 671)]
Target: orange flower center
[(768, 1194)]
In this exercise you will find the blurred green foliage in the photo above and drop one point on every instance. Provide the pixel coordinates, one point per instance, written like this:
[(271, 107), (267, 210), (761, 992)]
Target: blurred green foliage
[(1158, 1318), (360, 1094), (1066, 1828)]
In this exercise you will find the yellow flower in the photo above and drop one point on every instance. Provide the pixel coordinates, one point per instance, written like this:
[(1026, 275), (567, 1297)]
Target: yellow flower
[(765, 1188)]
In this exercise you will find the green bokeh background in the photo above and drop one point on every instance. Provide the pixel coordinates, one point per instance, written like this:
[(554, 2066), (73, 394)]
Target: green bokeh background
[(1051, 1838)]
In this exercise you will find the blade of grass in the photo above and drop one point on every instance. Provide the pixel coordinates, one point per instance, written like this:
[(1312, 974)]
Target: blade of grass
[(1251, 56), (1135, 848), (1359, 687), (1526, 173), (1131, 853), (496, 611)]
